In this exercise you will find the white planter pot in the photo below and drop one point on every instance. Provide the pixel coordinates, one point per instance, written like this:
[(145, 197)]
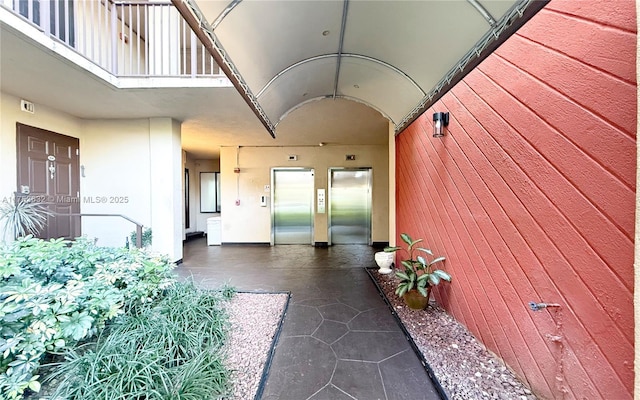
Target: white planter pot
[(384, 261)]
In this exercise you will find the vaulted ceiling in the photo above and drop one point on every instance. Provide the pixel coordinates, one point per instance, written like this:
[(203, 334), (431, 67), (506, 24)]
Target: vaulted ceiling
[(396, 57)]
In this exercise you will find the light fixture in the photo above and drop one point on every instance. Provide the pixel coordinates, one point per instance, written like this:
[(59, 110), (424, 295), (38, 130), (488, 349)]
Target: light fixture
[(440, 120)]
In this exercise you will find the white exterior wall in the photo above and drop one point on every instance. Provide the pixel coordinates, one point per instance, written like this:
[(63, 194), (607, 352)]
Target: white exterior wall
[(131, 167), (251, 223), (44, 118), (115, 156)]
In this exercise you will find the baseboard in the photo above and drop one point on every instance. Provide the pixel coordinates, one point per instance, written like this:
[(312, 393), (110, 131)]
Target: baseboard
[(193, 235), (257, 244), (321, 244)]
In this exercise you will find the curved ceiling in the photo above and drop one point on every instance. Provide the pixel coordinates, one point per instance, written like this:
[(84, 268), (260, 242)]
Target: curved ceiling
[(397, 57)]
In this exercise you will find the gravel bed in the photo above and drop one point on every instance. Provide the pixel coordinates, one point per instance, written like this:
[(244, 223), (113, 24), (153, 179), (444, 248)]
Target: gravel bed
[(463, 366), (254, 319)]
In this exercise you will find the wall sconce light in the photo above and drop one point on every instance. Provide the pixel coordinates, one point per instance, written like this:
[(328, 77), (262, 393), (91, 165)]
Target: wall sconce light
[(440, 120)]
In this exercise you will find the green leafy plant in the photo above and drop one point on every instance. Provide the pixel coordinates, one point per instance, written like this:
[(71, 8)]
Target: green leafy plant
[(55, 294), (170, 349), (23, 216), (147, 237), (417, 273)]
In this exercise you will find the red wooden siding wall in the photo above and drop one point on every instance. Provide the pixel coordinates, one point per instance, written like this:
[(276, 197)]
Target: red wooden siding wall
[(531, 197)]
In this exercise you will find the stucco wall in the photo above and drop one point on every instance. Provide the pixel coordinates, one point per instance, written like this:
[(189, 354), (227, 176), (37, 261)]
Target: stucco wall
[(44, 118), (117, 159), (531, 197), (250, 223)]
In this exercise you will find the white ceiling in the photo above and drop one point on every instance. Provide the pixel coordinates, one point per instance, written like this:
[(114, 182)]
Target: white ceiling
[(390, 55), (393, 53)]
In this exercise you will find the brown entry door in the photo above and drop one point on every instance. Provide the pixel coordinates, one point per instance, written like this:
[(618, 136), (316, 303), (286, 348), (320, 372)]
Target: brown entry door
[(48, 170)]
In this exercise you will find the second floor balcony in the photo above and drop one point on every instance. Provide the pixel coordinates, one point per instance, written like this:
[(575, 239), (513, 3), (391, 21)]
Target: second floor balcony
[(125, 38)]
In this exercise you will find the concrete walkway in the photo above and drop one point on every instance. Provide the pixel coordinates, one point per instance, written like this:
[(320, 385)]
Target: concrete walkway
[(339, 340)]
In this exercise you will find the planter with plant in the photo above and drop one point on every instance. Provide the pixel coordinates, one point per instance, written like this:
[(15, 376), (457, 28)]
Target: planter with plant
[(417, 275)]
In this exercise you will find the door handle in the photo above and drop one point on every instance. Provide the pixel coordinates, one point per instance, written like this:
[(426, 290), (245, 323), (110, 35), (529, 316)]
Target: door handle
[(52, 170)]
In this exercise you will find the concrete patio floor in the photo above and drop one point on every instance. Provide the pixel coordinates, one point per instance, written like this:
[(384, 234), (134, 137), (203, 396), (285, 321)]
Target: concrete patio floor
[(339, 340)]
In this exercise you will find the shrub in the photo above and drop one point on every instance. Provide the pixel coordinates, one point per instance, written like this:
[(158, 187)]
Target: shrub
[(55, 293), (166, 350)]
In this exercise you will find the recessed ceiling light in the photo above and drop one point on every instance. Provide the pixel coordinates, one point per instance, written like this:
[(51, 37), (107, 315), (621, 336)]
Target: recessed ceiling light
[(325, 33), (356, 86)]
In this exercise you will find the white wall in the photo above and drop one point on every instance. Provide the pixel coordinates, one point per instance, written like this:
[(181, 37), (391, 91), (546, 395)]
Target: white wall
[(250, 223), (116, 160), (44, 118), (196, 166), (131, 167)]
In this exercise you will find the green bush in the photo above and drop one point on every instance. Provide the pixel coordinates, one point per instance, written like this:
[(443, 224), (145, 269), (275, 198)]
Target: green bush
[(56, 293), (166, 350)]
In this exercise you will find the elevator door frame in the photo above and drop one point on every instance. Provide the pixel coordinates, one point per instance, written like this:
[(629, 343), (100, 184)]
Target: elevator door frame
[(369, 199), (273, 203)]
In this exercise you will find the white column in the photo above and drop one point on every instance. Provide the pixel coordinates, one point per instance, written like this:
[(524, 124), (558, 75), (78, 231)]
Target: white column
[(165, 151)]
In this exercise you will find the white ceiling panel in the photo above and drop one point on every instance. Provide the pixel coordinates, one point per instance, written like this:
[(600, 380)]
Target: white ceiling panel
[(378, 85), (306, 81), (424, 39), (398, 56), (265, 37)]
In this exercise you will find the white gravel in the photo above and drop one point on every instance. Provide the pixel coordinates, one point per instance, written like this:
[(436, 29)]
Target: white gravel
[(464, 367), (254, 321)]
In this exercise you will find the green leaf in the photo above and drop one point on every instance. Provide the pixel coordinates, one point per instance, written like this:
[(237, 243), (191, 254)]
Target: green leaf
[(407, 264), (429, 252), (406, 238), (78, 325), (423, 277), (34, 384), (422, 291), (402, 275), (392, 249), (421, 261), (435, 260), (401, 290), (434, 279), (442, 274)]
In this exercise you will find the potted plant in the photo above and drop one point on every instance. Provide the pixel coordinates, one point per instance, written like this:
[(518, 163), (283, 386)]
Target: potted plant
[(418, 275), (22, 216)]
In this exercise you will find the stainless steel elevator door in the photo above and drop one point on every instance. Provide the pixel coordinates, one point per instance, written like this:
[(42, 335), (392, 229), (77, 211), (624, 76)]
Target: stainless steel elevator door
[(350, 206), (292, 206)]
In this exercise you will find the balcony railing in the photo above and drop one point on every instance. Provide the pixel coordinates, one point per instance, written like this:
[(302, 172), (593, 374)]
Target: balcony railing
[(126, 38)]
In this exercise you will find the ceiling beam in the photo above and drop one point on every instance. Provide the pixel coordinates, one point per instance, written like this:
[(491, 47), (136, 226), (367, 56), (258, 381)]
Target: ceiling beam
[(345, 9), (199, 25)]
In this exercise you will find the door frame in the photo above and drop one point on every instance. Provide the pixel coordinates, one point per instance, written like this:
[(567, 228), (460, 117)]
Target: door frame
[(73, 199), (369, 200), (273, 203)]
